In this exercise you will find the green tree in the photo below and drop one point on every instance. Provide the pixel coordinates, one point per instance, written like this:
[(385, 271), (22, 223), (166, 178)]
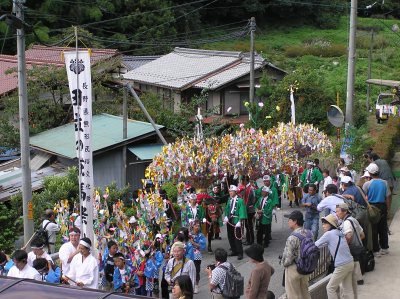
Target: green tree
[(8, 233)]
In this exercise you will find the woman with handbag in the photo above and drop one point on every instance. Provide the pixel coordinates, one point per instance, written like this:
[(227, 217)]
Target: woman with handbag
[(342, 259)]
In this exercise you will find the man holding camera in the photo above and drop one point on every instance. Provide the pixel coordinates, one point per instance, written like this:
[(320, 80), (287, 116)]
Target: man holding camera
[(216, 273), (179, 265)]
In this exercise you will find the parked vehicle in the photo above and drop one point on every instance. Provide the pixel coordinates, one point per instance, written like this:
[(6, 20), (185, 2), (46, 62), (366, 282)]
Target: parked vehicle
[(383, 106)]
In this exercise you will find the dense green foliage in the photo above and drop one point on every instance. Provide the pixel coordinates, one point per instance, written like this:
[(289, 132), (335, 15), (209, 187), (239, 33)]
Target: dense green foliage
[(8, 232)]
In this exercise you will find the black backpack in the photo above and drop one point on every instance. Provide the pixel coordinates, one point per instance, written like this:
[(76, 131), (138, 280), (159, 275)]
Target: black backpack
[(41, 234), (234, 283)]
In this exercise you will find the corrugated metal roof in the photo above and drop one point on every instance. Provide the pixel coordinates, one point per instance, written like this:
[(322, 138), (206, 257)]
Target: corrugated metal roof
[(133, 62), (11, 182), (226, 76), (41, 55), (107, 131), (182, 67), (146, 151)]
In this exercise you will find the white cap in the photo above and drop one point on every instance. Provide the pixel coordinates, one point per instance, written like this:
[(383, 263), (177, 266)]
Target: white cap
[(265, 189), (346, 179), (372, 168), (366, 175), (266, 177), (132, 220), (233, 188), (310, 163)]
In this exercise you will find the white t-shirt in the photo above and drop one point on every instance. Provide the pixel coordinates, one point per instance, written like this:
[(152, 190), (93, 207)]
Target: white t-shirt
[(26, 272), (330, 202), (51, 229), (348, 228), (32, 257), (327, 181), (65, 251)]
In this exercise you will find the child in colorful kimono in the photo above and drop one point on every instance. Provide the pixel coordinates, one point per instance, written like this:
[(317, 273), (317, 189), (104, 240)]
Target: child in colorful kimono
[(124, 280), (199, 245)]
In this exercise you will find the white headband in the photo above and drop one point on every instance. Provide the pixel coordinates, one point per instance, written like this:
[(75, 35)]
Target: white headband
[(84, 244)]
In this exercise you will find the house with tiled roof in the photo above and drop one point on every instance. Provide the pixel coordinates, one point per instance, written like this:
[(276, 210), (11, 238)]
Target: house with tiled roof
[(41, 55), (179, 75)]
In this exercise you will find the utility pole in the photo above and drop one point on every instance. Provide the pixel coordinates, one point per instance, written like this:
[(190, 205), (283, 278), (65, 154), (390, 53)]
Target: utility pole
[(252, 30), (351, 63), (124, 135), (369, 68), (24, 126)]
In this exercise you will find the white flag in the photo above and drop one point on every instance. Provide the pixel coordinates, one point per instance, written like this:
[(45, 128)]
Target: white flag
[(80, 87)]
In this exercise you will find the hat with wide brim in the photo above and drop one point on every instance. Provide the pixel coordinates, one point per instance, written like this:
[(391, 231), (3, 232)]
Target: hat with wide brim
[(331, 219), (256, 252)]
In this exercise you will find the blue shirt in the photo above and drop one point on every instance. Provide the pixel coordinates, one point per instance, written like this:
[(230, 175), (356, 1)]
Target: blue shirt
[(377, 190), (314, 200), (331, 238), (358, 198)]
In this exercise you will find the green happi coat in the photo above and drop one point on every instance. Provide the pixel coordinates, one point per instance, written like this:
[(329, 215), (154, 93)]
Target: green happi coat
[(266, 217), (200, 215), (273, 196), (239, 213), (316, 176)]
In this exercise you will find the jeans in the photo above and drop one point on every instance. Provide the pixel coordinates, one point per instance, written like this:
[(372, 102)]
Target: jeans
[(312, 224)]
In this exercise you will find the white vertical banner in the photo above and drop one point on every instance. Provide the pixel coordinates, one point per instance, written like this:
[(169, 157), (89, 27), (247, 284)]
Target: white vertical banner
[(80, 87), (292, 106)]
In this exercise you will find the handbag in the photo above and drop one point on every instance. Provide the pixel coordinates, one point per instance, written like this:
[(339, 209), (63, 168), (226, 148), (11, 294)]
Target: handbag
[(374, 214), (331, 266), (356, 250)]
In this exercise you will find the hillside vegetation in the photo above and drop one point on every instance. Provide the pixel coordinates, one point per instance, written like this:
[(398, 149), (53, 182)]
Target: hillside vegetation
[(323, 53)]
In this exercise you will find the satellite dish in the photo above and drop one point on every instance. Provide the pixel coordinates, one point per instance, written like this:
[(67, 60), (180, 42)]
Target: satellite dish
[(335, 116)]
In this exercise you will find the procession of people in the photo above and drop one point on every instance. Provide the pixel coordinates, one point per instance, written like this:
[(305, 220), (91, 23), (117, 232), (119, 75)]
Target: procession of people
[(154, 245)]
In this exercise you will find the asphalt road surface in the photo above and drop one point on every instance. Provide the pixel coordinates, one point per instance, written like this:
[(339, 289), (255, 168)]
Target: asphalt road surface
[(280, 232)]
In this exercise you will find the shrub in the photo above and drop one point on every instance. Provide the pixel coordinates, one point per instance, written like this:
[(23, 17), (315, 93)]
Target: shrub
[(8, 231), (319, 48), (171, 190), (379, 42)]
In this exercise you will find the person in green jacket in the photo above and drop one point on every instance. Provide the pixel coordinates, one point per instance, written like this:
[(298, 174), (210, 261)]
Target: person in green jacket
[(267, 183), (264, 207), (311, 175), (194, 211), (235, 214)]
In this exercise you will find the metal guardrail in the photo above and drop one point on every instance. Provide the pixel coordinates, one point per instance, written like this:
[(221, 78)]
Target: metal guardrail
[(322, 267)]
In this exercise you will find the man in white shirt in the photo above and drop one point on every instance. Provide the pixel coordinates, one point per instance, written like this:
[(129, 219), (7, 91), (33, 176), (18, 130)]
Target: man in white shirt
[(331, 200), (84, 268), (21, 269), (52, 228), (68, 250), (327, 179), (38, 251)]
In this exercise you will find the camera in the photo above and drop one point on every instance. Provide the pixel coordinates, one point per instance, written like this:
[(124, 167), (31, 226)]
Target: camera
[(211, 266)]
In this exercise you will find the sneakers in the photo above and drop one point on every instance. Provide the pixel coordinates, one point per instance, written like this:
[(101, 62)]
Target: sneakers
[(384, 251), (196, 289), (381, 252)]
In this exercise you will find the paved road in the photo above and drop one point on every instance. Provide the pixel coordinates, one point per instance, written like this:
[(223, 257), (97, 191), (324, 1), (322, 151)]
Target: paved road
[(280, 232)]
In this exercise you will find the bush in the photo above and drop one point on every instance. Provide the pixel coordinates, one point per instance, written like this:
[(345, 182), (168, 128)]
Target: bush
[(364, 42), (8, 231), (171, 190), (318, 47)]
